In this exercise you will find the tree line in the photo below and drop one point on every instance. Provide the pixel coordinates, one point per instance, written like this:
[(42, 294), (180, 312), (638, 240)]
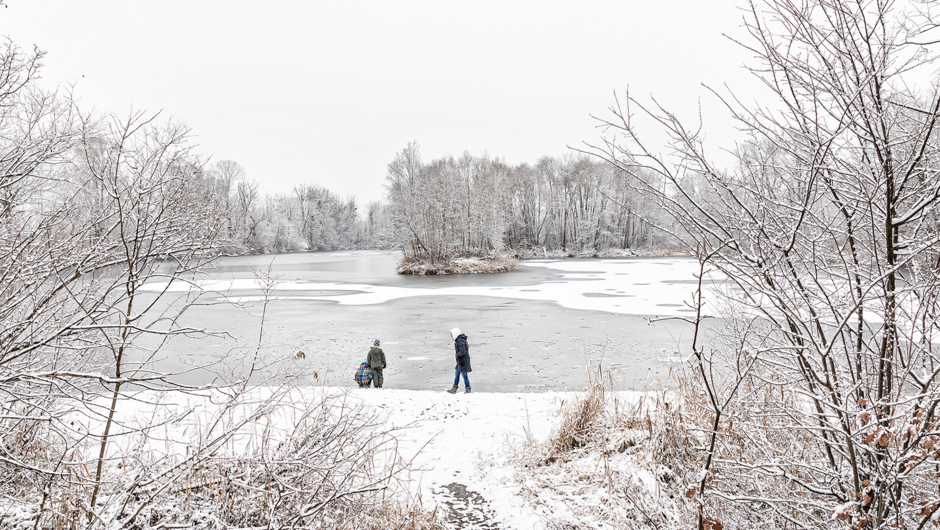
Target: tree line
[(573, 203), (310, 217)]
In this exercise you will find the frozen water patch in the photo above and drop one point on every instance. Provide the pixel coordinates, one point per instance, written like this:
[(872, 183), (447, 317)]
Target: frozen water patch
[(654, 288)]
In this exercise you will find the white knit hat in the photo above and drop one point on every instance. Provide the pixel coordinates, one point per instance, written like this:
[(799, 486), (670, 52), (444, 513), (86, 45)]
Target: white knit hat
[(454, 333)]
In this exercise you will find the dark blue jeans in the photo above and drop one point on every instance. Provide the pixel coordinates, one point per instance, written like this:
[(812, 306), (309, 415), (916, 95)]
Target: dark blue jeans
[(457, 372)]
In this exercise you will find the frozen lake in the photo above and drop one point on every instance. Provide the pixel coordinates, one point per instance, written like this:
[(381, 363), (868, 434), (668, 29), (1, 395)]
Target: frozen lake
[(537, 328)]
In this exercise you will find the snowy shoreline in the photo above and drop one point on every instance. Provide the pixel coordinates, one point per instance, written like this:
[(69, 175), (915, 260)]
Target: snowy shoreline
[(474, 443), (458, 447)]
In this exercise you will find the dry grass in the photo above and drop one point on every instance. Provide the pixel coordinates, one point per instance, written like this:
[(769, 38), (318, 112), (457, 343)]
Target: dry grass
[(579, 418), (593, 460), (631, 462), (637, 463), (459, 263)]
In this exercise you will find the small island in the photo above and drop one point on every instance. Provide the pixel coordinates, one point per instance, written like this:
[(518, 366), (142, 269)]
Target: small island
[(478, 214), (466, 262)]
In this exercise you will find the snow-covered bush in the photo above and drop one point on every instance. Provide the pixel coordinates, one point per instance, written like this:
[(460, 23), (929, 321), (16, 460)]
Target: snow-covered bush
[(272, 458)]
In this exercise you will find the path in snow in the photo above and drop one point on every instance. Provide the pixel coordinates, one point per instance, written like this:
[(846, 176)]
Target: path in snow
[(460, 447)]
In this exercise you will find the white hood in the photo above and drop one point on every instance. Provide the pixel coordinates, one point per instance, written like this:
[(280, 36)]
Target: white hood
[(454, 333)]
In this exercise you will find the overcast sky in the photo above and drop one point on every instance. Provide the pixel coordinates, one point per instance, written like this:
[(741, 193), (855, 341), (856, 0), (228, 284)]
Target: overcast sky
[(327, 92)]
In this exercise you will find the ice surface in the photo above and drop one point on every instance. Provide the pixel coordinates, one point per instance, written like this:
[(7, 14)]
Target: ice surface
[(660, 287), (540, 327)]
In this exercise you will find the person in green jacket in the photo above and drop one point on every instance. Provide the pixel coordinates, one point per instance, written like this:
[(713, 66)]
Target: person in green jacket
[(376, 360)]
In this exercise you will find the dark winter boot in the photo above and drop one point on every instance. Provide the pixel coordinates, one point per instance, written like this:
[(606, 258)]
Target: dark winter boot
[(467, 391), (452, 390)]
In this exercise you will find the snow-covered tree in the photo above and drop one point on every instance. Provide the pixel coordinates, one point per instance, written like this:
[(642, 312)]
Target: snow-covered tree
[(826, 231)]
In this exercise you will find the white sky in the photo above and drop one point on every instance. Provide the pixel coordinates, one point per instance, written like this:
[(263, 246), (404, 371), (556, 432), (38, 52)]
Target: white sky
[(327, 92)]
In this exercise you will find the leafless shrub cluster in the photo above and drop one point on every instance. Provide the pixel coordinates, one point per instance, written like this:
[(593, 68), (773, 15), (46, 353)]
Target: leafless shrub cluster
[(268, 461), (336, 467)]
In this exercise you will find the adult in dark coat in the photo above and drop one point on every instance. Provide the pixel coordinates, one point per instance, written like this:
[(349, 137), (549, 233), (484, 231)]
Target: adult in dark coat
[(462, 351), (376, 360)]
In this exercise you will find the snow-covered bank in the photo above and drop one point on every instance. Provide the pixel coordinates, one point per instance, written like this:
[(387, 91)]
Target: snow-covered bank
[(465, 452)]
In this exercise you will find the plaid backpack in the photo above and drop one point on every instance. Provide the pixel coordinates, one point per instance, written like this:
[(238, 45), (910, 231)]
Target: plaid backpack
[(364, 374)]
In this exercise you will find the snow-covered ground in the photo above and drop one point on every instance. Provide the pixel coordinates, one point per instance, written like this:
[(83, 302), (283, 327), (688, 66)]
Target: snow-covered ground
[(468, 457), (462, 449), (462, 445)]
